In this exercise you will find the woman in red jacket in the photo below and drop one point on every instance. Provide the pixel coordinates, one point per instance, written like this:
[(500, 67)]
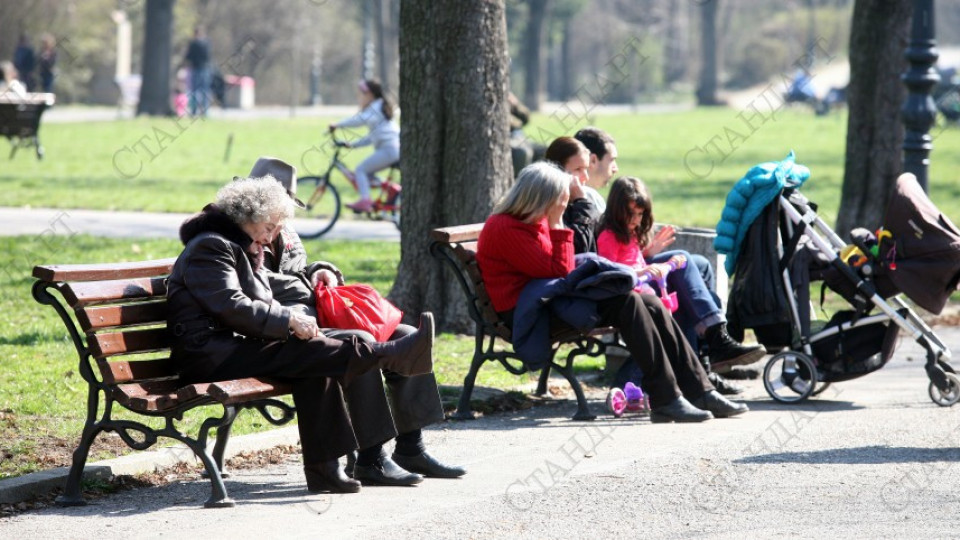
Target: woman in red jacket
[(525, 239)]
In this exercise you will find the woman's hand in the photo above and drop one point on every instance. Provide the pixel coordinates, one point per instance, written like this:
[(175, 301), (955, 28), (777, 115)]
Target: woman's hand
[(555, 212), (304, 327), (662, 239), (576, 189), (324, 276)]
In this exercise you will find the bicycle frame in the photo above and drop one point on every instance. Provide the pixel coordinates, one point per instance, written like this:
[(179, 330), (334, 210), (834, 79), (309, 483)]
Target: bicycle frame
[(323, 203), (385, 202)]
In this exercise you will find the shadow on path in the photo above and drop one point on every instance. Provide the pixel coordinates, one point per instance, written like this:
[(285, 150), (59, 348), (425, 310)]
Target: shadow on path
[(861, 455)]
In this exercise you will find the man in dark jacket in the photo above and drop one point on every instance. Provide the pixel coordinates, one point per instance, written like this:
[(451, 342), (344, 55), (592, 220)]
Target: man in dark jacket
[(25, 60), (414, 401), (197, 59)]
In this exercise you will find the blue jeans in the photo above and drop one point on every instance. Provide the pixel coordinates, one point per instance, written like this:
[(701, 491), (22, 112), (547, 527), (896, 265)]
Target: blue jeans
[(699, 306), (383, 156), (200, 80)]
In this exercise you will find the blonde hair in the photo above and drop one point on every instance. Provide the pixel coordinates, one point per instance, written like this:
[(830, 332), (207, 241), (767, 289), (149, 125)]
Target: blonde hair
[(255, 200), (538, 187)]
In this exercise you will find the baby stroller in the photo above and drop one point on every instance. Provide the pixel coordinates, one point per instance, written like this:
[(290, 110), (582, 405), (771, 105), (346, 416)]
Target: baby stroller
[(787, 246)]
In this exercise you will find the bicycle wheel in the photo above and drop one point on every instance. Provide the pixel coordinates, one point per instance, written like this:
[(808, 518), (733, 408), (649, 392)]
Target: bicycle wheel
[(323, 206)]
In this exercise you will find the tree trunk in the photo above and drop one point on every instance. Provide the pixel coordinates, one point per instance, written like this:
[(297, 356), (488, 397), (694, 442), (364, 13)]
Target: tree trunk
[(533, 52), (383, 56), (552, 63), (157, 36), (878, 38), (566, 60), (456, 158), (674, 46), (707, 82)]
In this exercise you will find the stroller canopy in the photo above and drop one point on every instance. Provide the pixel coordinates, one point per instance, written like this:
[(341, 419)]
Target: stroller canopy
[(923, 260), (749, 196)]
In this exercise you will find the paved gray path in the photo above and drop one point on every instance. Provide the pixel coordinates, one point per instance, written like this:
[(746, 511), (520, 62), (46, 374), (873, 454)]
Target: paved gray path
[(870, 458), (37, 221), (71, 113)]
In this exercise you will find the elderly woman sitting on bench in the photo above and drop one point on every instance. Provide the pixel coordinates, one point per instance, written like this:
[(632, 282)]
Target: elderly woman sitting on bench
[(227, 325)]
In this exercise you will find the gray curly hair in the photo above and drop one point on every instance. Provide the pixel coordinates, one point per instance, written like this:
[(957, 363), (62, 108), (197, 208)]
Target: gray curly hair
[(255, 200)]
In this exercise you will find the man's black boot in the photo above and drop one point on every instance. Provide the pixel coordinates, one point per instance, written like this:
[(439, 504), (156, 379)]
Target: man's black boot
[(725, 352)]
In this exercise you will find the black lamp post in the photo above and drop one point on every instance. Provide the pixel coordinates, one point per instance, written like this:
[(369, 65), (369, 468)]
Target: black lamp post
[(919, 110)]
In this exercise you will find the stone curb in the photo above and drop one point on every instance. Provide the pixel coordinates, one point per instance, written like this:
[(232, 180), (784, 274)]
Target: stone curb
[(22, 488)]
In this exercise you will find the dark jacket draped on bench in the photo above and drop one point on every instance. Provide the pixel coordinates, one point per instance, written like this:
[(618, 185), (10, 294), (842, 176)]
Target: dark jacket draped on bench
[(572, 299)]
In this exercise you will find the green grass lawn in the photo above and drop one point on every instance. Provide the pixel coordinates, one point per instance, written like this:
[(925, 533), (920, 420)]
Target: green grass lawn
[(155, 164), (689, 159)]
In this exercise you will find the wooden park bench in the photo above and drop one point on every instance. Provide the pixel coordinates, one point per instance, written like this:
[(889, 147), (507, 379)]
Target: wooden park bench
[(117, 317), (457, 246), (20, 119)]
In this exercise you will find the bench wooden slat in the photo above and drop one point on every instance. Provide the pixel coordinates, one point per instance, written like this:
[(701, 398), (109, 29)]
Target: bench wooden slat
[(159, 396), (79, 294), (457, 233), (30, 98), (119, 371), (191, 392), (95, 317), (93, 272), (147, 397), (131, 341), (240, 390), (466, 252)]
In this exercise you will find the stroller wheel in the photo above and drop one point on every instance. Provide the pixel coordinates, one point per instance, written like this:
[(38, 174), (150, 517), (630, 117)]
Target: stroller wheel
[(820, 388), (948, 397), (790, 377)]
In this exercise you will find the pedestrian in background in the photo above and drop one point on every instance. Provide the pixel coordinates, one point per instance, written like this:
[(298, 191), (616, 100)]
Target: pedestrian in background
[(25, 60), (198, 60), (47, 62)]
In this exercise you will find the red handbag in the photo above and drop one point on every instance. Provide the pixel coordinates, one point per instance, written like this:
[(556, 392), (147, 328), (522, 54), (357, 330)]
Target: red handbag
[(357, 307)]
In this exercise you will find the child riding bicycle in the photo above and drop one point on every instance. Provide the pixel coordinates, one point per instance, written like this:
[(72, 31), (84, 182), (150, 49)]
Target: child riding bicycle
[(377, 113)]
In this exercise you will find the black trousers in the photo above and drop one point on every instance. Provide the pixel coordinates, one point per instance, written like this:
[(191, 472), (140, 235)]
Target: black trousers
[(314, 367), (408, 404), (655, 342)]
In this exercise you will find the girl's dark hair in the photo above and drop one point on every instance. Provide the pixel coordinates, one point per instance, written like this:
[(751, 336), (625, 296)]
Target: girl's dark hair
[(562, 149), (623, 191), (377, 90)]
